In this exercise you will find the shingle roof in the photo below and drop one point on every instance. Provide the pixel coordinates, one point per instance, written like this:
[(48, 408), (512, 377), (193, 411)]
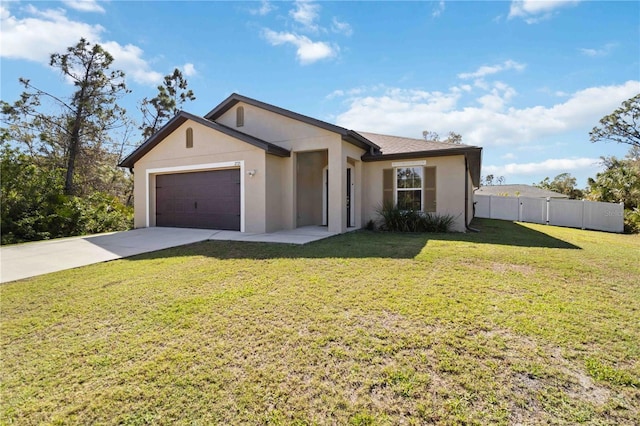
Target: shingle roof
[(518, 190), (398, 145), (378, 147), (398, 148)]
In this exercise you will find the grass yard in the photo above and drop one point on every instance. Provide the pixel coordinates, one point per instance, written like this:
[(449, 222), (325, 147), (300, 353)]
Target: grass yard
[(518, 324)]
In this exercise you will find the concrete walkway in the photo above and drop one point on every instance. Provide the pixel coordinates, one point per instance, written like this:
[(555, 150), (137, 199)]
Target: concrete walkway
[(31, 259)]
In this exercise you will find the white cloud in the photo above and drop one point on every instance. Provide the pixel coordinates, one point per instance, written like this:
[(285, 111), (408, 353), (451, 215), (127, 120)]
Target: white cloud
[(407, 112), (341, 27), (308, 51), (603, 51), (189, 69), (31, 38), (534, 11), (129, 59), (306, 13), (84, 5), (335, 94), (486, 70), (509, 156), (438, 9), (546, 166), (352, 92), (264, 9), (498, 97)]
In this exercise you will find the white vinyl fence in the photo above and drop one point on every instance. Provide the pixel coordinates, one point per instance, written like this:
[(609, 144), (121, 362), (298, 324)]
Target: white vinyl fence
[(552, 211)]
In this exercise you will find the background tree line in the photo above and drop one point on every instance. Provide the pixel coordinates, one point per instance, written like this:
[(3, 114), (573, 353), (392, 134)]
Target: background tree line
[(619, 182), (59, 151)]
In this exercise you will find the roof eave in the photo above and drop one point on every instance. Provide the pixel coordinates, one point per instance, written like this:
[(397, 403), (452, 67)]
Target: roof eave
[(419, 154), (357, 139), (180, 119), (148, 145), (347, 135), (472, 153)]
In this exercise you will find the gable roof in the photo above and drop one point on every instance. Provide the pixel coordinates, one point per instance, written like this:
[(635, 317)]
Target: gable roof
[(347, 135), (397, 148), (519, 190), (378, 147), (182, 117)]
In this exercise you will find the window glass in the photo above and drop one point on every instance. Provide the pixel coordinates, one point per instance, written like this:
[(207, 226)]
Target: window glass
[(409, 188), (189, 137), (240, 116), (409, 200)]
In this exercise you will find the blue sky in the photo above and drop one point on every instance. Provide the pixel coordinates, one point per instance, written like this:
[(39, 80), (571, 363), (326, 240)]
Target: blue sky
[(526, 80)]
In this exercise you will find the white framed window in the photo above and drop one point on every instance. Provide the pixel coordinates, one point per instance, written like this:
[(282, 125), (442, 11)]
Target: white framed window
[(409, 188)]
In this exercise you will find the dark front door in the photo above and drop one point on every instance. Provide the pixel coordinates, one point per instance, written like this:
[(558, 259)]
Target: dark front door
[(209, 200), (349, 224)]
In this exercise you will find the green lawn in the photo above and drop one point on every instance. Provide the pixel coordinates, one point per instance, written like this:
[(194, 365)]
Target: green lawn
[(520, 323)]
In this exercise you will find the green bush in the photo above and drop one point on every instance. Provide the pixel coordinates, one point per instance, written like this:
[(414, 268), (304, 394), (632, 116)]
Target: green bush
[(33, 205), (632, 221), (396, 220), (370, 226)]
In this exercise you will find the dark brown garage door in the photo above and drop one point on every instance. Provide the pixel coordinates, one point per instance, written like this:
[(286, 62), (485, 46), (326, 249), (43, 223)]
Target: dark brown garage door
[(209, 200)]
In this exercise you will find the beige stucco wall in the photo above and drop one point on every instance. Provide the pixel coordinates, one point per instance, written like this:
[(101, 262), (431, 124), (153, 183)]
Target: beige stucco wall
[(288, 133), (298, 136), (209, 147), (274, 184), (272, 198), (450, 181), (470, 198)]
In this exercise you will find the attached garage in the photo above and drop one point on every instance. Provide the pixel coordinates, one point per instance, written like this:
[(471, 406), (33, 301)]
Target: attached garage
[(209, 199)]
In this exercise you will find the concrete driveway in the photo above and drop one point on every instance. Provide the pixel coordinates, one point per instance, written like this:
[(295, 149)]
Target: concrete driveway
[(37, 258), (31, 259)]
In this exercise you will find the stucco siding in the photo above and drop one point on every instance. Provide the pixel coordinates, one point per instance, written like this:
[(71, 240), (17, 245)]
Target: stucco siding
[(283, 131), (275, 168), (288, 192), (450, 183), (209, 147), (300, 207)]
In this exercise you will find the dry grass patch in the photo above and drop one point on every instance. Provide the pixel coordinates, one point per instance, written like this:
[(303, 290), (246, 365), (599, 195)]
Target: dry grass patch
[(520, 324)]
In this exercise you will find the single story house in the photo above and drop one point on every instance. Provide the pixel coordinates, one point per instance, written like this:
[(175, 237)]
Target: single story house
[(254, 167), (518, 190)]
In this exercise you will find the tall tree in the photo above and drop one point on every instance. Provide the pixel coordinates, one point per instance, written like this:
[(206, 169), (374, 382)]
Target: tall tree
[(86, 118), (619, 182), (488, 180), (453, 137), (172, 94), (622, 125), (431, 136), (563, 183)]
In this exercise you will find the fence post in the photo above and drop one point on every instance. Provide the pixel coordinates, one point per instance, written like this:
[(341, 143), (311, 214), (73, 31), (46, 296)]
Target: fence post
[(490, 214), (519, 210), (547, 218), (582, 227)]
